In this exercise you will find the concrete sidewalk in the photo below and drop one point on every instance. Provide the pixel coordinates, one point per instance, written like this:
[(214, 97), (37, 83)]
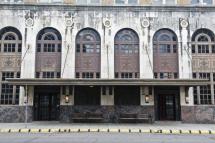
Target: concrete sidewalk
[(157, 127)]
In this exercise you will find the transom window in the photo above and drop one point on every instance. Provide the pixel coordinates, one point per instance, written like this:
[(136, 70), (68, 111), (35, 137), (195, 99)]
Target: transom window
[(85, 2), (10, 40), (88, 41), (166, 2), (49, 40), (126, 42), (126, 1), (203, 2), (165, 42), (203, 41)]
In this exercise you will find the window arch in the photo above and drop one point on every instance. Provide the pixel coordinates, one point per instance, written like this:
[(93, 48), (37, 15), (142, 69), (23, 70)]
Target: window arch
[(88, 48), (126, 51), (203, 41), (165, 54), (10, 40), (48, 57), (10, 51), (49, 40)]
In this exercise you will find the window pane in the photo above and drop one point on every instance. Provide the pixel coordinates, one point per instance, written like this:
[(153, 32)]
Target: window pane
[(132, 1), (81, 1), (120, 1)]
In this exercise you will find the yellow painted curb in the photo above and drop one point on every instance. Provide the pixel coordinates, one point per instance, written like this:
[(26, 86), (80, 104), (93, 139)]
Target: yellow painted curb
[(124, 130), (14, 131), (24, 130), (204, 131), (94, 130), (185, 131), (84, 130), (166, 131), (5, 130), (114, 130), (34, 130), (54, 130), (175, 131), (195, 132), (74, 130), (213, 132), (45, 131), (145, 131), (103, 130), (135, 130)]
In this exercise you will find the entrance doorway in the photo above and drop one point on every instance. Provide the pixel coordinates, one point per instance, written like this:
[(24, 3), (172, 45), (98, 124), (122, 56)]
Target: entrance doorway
[(46, 103), (167, 108), (167, 103)]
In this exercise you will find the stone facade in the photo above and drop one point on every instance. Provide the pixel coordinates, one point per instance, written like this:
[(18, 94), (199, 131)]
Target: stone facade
[(15, 114), (110, 113), (198, 114), (145, 21)]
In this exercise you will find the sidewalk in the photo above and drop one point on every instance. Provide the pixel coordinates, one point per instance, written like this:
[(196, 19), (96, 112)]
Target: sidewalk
[(157, 127)]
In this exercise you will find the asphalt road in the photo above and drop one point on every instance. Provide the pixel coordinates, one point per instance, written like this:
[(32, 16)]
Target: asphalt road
[(104, 138)]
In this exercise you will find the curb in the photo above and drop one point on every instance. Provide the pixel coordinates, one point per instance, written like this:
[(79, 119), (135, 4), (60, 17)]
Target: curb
[(108, 130)]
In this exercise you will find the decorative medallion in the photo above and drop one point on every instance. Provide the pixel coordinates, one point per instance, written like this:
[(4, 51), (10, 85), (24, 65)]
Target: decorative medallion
[(29, 22), (69, 23), (107, 23), (145, 23), (184, 23)]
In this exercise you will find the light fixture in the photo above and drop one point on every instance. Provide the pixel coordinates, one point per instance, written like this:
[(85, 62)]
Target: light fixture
[(187, 100), (67, 99), (147, 98), (91, 86)]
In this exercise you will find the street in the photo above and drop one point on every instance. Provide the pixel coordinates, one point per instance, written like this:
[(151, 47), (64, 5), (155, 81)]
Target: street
[(103, 138)]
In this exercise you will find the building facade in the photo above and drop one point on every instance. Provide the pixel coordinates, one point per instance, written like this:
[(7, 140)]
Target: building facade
[(61, 57)]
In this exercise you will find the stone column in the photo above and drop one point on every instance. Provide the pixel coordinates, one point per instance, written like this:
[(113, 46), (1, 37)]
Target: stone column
[(212, 88), (185, 96), (107, 51), (146, 51), (67, 92), (144, 91), (107, 95), (28, 57), (185, 57), (68, 54)]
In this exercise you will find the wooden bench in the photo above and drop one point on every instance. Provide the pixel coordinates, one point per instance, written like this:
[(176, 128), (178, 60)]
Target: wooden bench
[(134, 117), (87, 117)]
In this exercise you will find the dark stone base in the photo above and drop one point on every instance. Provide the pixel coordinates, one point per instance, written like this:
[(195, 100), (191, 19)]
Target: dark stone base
[(110, 113), (198, 114), (14, 114)]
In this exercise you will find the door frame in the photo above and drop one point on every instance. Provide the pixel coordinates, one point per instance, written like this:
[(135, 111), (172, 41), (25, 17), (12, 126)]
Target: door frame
[(52, 92), (175, 91)]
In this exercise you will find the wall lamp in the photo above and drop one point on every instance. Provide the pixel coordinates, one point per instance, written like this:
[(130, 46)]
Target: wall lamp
[(67, 99), (147, 98)]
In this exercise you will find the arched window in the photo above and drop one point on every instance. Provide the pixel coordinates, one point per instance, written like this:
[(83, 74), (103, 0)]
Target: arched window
[(203, 42), (126, 51), (203, 49), (10, 55), (165, 54), (88, 45), (48, 57), (11, 40), (49, 40)]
